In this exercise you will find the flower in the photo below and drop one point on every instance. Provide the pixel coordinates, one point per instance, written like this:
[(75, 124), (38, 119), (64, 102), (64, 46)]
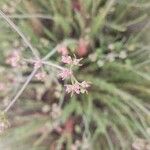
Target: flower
[(83, 45), (73, 88), (14, 58), (66, 59), (77, 87), (37, 64), (65, 73), (62, 49), (76, 62), (2, 87), (40, 76), (85, 84)]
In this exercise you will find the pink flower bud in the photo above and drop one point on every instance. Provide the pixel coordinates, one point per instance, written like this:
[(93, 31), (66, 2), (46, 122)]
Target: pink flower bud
[(40, 76), (66, 59), (2, 87), (14, 58), (62, 49), (37, 64), (75, 88), (65, 73)]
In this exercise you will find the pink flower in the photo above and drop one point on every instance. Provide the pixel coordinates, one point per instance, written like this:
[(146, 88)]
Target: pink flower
[(40, 76), (37, 64), (62, 49), (14, 58), (73, 88), (83, 45), (77, 88), (65, 73), (66, 59), (69, 88), (2, 87)]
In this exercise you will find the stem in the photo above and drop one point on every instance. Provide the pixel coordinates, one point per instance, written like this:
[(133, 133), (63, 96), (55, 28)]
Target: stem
[(28, 16), (21, 90), (53, 65), (24, 86), (13, 26), (46, 63)]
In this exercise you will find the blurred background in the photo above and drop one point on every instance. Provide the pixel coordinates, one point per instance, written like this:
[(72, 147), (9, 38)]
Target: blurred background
[(113, 38)]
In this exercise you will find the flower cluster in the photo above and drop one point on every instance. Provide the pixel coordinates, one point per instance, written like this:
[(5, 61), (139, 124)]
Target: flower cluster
[(40, 75), (68, 60), (37, 64), (65, 73), (14, 58), (75, 86)]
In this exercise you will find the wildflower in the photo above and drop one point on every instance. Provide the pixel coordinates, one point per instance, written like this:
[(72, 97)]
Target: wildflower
[(37, 64), (82, 49), (14, 58), (77, 62), (62, 49), (66, 59), (69, 88), (77, 87), (85, 84), (73, 88), (65, 73), (2, 86), (40, 76)]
